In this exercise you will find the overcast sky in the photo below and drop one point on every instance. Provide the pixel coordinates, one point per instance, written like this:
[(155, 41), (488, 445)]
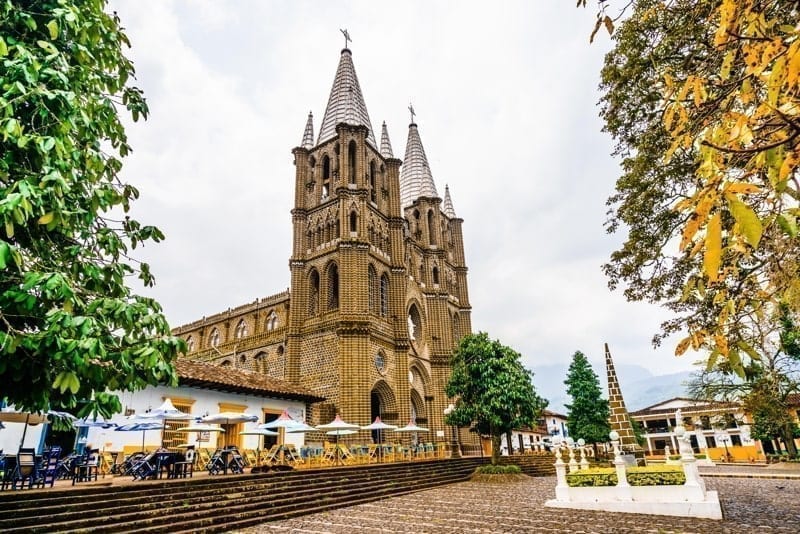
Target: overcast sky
[(505, 97)]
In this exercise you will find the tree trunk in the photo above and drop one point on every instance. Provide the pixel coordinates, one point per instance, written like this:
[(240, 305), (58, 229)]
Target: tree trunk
[(509, 444), (495, 449), (787, 436)]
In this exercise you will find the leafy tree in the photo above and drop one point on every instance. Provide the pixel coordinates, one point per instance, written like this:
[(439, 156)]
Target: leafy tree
[(70, 327), (494, 393), (703, 100), (767, 383), (588, 413)]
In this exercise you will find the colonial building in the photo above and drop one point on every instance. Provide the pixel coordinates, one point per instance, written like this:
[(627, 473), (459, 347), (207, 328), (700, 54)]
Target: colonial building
[(378, 293)]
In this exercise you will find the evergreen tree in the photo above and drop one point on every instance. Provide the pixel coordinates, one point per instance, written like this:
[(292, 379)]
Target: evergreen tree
[(588, 414)]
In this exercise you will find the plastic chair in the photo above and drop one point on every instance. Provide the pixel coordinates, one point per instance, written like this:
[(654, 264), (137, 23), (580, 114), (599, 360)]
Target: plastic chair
[(25, 469), (88, 469), (49, 468), (185, 468)]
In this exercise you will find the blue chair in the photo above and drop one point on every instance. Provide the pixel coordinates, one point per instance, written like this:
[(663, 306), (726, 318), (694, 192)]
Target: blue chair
[(25, 471), (48, 471)]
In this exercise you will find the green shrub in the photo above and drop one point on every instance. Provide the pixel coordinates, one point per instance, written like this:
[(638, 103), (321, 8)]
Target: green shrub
[(652, 475), (674, 456), (600, 476), (701, 456), (656, 475), (499, 470)]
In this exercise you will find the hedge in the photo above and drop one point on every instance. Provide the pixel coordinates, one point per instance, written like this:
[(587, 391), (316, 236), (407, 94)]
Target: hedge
[(653, 475)]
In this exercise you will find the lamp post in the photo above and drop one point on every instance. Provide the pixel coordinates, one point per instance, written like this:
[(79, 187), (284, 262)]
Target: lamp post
[(454, 448)]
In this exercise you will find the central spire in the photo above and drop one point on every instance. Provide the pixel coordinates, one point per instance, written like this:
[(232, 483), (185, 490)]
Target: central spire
[(346, 103), (416, 179)]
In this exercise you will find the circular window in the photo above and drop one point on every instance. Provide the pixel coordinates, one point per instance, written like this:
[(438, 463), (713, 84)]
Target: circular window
[(380, 362)]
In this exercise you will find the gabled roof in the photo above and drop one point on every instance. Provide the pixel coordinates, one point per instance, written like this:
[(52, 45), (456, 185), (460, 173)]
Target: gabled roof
[(215, 377), (346, 103), (699, 407), (416, 179), (675, 403)]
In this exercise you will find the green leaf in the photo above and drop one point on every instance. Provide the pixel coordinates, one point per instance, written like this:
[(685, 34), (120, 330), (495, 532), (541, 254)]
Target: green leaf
[(53, 27), (748, 221), (5, 254), (3, 47), (788, 224)]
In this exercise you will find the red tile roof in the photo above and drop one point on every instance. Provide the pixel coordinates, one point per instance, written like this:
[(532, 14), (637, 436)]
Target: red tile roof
[(204, 375)]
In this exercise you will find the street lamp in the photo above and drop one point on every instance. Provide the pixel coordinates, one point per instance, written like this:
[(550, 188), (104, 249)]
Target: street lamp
[(454, 448)]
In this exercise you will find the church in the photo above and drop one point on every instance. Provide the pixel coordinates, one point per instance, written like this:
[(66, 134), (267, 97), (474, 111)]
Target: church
[(378, 294)]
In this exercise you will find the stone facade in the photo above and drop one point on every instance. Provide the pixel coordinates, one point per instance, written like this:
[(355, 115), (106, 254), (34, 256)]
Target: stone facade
[(378, 291)]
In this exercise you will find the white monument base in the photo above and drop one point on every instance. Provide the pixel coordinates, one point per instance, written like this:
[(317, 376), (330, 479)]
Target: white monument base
[(656, 500), (689, 499)]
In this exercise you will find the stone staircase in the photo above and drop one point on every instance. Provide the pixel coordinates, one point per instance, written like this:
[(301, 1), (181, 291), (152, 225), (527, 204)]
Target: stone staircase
[(535, 465), (220, 503)]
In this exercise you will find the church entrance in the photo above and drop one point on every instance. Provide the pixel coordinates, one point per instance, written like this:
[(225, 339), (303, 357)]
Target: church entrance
[(375, 411)]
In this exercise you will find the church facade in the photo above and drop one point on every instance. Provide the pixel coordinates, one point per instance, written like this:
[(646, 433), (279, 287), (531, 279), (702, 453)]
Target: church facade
[(378, 294)]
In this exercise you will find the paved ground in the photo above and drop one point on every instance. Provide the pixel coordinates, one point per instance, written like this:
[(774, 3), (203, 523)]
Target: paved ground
[(749, 505)]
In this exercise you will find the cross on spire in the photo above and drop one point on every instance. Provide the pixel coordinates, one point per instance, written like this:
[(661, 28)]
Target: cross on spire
[(413, 113), (347, 38)]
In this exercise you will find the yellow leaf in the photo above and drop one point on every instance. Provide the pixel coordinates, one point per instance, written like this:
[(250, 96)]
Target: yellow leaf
[(776, 80), (682, 346), (742, 187), (793, 67), (46, 218), (749, 223), (713, 254)]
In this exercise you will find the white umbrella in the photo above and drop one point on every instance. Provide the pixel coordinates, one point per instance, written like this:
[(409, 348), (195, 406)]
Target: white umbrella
[(166, 411), (141, 426), (379, 426), (411, 427), (29, 418), (258, 432), (338, 424), (336, 428), (230, 418), (86, 423)]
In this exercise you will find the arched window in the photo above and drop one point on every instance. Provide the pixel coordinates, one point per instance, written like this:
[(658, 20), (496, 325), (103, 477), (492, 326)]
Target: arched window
[(226, 363), (313, 296), (373, 193), (351, 161), (353, 222), (326, 176), (332, 279), (280, 351), (214, 338), (435, 273), (241, 329), (260, 360), (414, 323), (190, 343), (272, 320), (456, 328), (384, 295), (372, 290), (431, 229), (242, 360)]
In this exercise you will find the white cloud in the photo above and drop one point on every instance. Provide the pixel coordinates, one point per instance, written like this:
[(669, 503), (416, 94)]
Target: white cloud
[(505, 97)]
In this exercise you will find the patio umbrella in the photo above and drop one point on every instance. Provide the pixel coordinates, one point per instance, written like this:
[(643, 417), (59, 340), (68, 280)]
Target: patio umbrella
[(140, 426), (29, 418), (166, 411), (336, 428), (199, 427), (411, 427), (378, 426), (86, 423), (229, 418)]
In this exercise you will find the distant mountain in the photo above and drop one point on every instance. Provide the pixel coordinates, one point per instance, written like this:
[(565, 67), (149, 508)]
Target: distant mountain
[(640, 387)]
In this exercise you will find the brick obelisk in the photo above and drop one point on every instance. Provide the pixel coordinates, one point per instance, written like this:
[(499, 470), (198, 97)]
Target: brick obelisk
[(619, 418)]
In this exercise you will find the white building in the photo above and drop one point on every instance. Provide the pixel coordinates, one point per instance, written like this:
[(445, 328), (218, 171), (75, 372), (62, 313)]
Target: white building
[(202, 390)]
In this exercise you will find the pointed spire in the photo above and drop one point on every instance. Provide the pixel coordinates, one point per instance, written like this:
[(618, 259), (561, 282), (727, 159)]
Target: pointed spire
[(386, 145), (346, 103), (308, 135), (447, 207), (415, 174), (619, 419)]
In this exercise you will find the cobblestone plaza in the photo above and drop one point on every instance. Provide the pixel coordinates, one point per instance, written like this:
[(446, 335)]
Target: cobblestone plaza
[(749, 505)]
